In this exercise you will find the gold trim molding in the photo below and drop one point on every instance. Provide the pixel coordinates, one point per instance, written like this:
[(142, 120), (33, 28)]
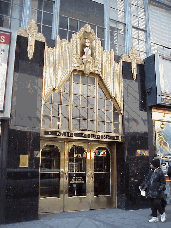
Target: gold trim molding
[(134, 58), (32, 34)]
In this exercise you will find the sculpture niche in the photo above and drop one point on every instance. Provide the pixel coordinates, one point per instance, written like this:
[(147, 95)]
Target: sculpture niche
[(87, 58)]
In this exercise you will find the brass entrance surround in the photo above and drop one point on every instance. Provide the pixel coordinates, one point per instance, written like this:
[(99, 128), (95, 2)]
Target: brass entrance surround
[(82, 56), (89, 200), (82, 63)]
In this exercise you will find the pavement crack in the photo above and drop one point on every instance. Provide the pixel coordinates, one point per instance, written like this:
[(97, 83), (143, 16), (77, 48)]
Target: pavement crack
[(80, 223)]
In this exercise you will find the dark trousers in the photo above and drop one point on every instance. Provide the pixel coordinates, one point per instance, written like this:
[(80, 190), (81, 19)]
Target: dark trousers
[(156, 206), (163, 203)]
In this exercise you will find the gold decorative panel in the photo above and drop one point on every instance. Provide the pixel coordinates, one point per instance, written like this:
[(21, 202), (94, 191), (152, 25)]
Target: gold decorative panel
[(134, 58), (32, 34), (82, 53)]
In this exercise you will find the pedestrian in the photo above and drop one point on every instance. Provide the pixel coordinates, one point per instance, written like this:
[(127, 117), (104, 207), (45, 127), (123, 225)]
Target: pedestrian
[(169, 171), (154, 185), (169, 182)]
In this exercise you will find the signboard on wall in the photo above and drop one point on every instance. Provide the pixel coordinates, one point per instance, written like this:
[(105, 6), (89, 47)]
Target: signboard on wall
[(82, 135), (163, 139), (4, 53), (163, 76), (7, 57)]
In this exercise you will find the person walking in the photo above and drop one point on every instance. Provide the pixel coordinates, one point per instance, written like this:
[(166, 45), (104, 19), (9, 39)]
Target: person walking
[(154, 186), (169, 183)]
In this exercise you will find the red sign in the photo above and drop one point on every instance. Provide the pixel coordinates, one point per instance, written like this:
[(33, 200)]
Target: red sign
[(4, 51), (4, 38)]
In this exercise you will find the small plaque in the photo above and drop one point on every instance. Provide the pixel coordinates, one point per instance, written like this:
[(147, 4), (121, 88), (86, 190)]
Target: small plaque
[(24, 160)]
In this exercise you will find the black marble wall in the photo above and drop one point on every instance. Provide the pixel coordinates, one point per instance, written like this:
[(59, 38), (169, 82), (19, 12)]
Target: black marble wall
[(24, 134), (132, 169)]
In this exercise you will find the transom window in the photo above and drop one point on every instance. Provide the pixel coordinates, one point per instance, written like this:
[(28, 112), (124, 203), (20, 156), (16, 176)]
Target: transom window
[(81, 105)]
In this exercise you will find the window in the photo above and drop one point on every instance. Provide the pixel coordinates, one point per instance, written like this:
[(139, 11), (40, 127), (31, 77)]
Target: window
[(117, 37), (91, 110), (44, 11), (116, 8), (10, 14), (138, 26), (117, 26), (69, 26), (83, 112), (56, 110), (160, 19)]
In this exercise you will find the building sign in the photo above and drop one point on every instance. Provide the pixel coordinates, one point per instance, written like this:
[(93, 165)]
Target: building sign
[(81, 135), (163, 76), (4, 51)]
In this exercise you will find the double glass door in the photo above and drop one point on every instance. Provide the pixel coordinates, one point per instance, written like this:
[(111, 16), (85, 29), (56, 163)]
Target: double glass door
[(76, 176)]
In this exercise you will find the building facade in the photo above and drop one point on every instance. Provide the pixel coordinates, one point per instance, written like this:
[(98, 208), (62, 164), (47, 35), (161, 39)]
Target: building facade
[(78, 127)]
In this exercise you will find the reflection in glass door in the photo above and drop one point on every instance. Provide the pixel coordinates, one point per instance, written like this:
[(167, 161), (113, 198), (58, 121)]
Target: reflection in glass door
[(76, 181), (50, 179), (76, 177), (102, 172), (50, 172), (102, 197), (77, 171)]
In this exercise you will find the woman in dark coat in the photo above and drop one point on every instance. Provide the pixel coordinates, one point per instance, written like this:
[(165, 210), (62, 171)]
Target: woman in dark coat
[(155, 187)]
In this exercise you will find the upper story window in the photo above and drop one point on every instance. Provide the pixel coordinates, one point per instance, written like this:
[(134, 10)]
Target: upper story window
[(160, 20), (42, 12), (117, 26), (68, 26), (138, 26), (11, 13)]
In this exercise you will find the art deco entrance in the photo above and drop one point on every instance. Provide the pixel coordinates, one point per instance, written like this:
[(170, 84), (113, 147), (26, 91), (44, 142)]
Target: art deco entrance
[(76, 176)]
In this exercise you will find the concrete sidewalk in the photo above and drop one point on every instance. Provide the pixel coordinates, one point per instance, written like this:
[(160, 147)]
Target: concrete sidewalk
[(105, 218)]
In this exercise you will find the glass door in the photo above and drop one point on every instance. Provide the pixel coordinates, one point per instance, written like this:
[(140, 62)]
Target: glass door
[(50, 179), (77, 196), (76, 176), (102, 191)]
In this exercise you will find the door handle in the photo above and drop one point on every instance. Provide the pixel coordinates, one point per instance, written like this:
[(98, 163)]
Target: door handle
[(91, 175), (66, 175)]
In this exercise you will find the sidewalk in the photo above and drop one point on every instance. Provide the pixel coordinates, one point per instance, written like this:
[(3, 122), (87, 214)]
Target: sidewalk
[(106, 218)]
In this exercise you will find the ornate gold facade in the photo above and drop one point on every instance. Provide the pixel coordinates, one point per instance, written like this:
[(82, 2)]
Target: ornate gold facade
[(85, 53), (82, 53)]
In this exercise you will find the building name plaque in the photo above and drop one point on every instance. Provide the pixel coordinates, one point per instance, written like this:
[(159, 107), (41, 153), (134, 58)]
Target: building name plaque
[(81, 135)]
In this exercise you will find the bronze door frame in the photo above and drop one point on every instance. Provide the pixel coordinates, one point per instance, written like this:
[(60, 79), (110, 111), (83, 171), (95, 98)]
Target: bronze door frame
[(65, 203)]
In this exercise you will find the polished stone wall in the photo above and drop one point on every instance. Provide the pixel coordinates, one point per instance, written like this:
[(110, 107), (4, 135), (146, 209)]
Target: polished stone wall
[(24, 134), (132, 169)]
